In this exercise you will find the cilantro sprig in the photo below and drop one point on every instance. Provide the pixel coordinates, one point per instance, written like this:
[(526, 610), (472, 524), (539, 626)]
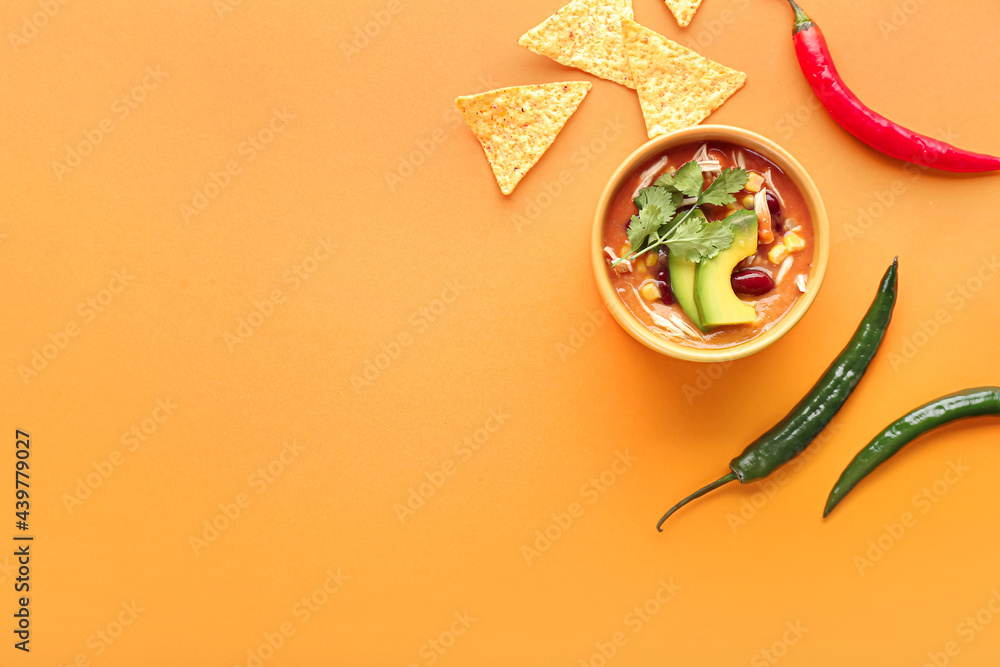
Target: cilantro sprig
[(664, 219)]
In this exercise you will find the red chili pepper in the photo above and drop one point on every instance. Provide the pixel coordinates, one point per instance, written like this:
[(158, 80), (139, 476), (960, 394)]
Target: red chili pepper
[(872, 128)]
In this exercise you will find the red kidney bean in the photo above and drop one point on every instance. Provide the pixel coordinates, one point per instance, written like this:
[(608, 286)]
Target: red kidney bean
[(663, 282), (754, 280), (774, 206)]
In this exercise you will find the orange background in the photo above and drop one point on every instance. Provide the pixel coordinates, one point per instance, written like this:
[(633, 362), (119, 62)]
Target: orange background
[(448, 315)]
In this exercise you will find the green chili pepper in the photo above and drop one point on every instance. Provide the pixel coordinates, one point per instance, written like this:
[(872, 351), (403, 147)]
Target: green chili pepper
[(929, 416), (786, 439)]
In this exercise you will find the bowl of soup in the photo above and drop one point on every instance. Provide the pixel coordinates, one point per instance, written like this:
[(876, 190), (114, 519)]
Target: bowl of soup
[(722, 269)]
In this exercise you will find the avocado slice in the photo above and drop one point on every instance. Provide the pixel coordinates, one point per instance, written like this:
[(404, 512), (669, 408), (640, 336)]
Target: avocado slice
[(682, 285), (682, 280), (713, 293)]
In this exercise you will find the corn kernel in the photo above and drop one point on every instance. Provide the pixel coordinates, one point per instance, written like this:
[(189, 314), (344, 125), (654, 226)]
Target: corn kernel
[(794, 242), (640, 268), (754, 182), (651, 259), (777, 253), (649, 291), (626, 249), (748, 201)]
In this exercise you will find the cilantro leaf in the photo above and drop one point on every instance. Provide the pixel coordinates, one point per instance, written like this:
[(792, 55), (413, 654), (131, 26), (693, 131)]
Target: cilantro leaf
[(659, 197), (694, 241), (720, 192), (691, 214), (657, 207), (689, 179), (666, 180), (644, 224)]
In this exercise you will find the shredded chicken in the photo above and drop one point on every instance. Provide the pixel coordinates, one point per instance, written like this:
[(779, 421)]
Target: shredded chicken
[(763, 216), (623, 267), (774, 190), (707, 163), (783, 270), (673, 326)]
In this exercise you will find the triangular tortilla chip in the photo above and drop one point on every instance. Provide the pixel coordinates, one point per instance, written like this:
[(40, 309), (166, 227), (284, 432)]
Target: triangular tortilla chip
[(683, 10), (677, 87), (517, 125), (586, 34)]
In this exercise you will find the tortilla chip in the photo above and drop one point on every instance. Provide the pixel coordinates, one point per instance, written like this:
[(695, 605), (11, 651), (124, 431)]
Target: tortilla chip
[(677, 87), (683, 10), (517, 125), (586, 34)]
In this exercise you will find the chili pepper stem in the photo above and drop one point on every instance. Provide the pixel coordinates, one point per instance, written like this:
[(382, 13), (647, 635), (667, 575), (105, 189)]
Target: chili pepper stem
[(802, 20), (725, 479)]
